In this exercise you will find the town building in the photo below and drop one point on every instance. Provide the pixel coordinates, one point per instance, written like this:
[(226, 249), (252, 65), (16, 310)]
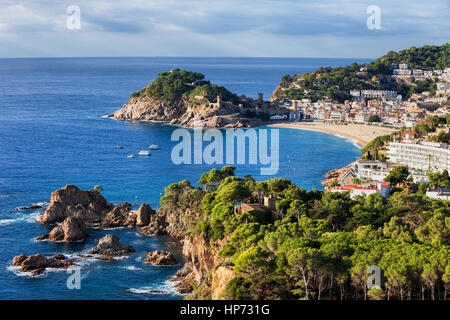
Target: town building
[(278, 117), (440, 193), (245, 208), (375, 187), (420, 155), (270, 202)]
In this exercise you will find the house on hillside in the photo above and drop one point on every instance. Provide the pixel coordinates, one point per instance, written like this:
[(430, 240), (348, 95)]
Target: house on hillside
[(244, 208), (441, 193), (381, 187), (270, 202)]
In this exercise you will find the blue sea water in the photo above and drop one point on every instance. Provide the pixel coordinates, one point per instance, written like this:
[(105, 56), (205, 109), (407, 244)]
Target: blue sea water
[(52, 133)]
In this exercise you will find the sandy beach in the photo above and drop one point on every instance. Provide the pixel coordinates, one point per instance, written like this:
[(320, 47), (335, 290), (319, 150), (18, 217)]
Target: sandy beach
[(362, 134)]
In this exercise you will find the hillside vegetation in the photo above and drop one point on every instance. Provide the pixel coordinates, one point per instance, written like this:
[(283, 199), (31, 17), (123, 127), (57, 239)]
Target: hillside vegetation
[(176, 83), (317, 245), (336, 83)]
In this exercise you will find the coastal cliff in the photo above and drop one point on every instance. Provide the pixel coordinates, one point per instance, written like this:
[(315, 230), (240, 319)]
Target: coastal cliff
[(177, 218), (177, 111), (184, 98), (306, 245)]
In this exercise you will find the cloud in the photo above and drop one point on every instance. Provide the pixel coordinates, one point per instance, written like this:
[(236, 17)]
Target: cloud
[(227, 27)]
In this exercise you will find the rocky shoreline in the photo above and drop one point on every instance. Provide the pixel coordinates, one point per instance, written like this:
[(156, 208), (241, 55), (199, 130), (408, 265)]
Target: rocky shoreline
[(182, 112), (74, 211)]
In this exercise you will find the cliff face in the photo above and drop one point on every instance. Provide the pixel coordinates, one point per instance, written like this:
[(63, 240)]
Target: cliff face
[(185, 111), (203, 267), (220, 279), (148, 108), (169, 221), (201, 256)]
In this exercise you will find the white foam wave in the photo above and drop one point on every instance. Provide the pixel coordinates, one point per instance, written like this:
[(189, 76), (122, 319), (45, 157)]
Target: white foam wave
[(5, 222), (21, 217), (108, 229), (132, 268), (167, 287), (17, 272), (41, 204), (29, 218)]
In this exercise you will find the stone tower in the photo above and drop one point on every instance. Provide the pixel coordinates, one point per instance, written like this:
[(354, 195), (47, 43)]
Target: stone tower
[(294, 105), (260, 97), (219, 102)]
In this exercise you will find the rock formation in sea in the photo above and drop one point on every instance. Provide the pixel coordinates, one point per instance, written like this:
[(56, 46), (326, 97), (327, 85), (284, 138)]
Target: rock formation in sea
[(123, 216), (119, 216), (38, 263), (75, 208), (71, 230), (143, 215), (110, 246), (161, 258), (69, 201)]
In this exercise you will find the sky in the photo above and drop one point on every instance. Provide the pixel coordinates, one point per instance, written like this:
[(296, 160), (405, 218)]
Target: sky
[(226, 28)]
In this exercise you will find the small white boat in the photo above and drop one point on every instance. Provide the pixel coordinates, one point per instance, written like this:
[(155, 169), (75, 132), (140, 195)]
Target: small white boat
[(144, 153), (130, 156), (119, 147), (154, 147)]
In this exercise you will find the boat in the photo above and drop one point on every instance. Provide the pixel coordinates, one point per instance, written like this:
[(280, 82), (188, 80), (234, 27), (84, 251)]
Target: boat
[(119, 147), (130, 156), (154, 147), (144, 153)]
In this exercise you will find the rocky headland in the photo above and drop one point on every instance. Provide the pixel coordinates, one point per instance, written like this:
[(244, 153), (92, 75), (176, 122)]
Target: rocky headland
[(74, 211), (184, 98), (87, 206)]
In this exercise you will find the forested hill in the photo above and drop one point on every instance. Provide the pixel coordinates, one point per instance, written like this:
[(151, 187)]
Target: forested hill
[(176, 83), (336, 83), (426, 57), (184, 97), (309, 244)]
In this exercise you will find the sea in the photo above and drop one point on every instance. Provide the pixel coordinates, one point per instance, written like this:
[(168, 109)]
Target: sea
[(53, 132)]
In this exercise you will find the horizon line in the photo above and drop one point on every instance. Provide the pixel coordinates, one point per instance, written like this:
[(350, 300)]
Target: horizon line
[(186, 57)]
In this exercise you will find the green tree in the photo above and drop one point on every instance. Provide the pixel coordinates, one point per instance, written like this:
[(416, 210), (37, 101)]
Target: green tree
[(398, 175)]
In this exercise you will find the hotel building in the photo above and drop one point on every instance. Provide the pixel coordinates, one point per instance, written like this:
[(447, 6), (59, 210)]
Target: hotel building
[(420, 155)]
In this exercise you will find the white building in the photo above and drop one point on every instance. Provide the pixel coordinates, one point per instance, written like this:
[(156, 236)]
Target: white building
[(381, 187), (441, 193), (420, 155), (372, 170), (401, 72), (278, 117), (296, 115), (361, 117), (337, 116)]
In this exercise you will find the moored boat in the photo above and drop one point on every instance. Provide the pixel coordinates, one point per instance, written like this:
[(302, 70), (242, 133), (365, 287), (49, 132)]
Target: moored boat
[(144, 153)]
